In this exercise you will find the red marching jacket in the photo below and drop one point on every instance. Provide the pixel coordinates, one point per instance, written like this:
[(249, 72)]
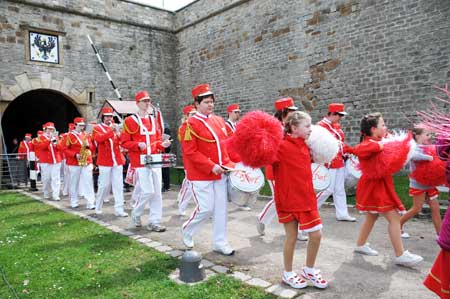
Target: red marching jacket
[(202, 149), (24, 149), (337, 132), (74, 141), (49, 152), (294, 191), (108, 150), (133, 134)]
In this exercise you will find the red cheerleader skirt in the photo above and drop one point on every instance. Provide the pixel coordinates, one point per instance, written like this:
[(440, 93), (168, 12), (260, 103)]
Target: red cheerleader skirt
[(438, 280)]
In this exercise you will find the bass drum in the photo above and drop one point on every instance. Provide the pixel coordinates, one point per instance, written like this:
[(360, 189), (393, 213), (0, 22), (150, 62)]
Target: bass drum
[(352, 172), (321, 177), (244, 184)]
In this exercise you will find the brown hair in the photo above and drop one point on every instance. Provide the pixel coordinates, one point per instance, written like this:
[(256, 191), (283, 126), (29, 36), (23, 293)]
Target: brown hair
[(416, 131), (294, 120), (368, 122)]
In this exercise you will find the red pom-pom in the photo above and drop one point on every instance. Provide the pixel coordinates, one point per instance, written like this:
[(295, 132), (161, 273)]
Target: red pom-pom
[(430, 173), (395, 154), (257, 138)]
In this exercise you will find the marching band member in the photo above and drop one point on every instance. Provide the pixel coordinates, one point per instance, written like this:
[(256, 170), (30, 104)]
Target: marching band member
[(79, 149), (142, 136), (24, 148), (185, 193), (284, 107), (37, 151), (50, 160), (206, 163), (110, 162), (234, 113), (296, 202), (66, 173), (336, 172)]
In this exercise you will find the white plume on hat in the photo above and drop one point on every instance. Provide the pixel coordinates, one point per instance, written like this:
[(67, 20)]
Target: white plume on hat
[(322, 144)]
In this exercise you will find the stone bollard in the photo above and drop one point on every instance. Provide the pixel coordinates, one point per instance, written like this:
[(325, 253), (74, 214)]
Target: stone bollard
[(191, 269)]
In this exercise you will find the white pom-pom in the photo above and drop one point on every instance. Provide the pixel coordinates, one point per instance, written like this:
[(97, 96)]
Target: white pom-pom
[(322, 144)]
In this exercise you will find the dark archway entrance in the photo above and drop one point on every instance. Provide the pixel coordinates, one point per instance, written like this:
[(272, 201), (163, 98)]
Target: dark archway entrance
[(28, 112)]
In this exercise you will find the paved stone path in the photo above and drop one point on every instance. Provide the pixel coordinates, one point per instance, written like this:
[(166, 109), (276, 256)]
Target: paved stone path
[(258, 260)]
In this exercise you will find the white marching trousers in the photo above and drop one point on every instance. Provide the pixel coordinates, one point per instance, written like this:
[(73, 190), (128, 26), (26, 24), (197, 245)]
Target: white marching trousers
[(337, 188), (110, 177), (81, 178), (66, 187), (211, 199), (185, 194), (147, 188), (269, 212), (51, 181)]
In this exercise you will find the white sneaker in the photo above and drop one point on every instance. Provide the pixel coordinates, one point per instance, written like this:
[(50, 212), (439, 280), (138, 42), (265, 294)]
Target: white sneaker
[(90, 207), (121, 214), (156, 227), (294, 281), (98, 212), (316, 278), (245, 208), (405, 235), (260, 227), (365, 249), (57, 199), (408, 259), (347, 218), (224, 250), (302, 236), (187, 240), (181, 213), (136, 220)]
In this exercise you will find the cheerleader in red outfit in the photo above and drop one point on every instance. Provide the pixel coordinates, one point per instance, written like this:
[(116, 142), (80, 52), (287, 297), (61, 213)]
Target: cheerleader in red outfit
[(377, 195), (297, 207), (438, 280)]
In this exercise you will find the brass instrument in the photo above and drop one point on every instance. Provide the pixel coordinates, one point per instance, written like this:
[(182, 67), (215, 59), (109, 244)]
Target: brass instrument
[(85, 152)]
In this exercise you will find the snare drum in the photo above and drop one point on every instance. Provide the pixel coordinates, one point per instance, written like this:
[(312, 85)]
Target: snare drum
[(159, 160), (321, 177), (352, 172), (244, 184)]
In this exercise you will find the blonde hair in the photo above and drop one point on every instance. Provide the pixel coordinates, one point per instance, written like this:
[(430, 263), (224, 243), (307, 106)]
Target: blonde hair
[(295, 119)]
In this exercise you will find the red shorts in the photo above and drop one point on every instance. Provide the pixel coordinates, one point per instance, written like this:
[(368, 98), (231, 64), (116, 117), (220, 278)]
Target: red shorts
[(308, 221), (438, 280), (432, 193)]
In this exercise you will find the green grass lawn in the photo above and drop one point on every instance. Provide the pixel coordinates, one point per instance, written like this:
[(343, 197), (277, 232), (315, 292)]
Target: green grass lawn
[(46, 253)]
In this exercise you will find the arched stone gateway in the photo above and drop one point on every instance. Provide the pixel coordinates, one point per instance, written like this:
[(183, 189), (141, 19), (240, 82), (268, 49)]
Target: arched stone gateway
[(31, 110), (30, 103)]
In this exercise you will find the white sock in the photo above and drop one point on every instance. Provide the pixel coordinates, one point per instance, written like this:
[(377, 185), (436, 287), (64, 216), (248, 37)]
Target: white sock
[(288, 274), (309, 270)]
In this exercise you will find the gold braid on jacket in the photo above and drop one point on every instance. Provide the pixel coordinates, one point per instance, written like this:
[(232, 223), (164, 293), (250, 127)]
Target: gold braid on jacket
[(189, 131)]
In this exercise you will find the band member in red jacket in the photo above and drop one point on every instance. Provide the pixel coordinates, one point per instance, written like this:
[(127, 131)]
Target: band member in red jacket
[(234, 113), (79, 149), (142, 137), (50, 160), (207, 161), (330, 122), (110, 162), (185, 193), (65, 167), (24, 147)]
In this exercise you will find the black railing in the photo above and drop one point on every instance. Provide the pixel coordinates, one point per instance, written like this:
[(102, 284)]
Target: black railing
[(14, 171)]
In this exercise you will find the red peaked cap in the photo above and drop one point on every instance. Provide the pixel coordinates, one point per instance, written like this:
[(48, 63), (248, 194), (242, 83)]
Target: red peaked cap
[(79, 121), (201, 90), (48, 125), (285, 103), (188, 109), (233, 107), (107, 111), (71, 126), (142, 95), (337, 108), (27, 135)]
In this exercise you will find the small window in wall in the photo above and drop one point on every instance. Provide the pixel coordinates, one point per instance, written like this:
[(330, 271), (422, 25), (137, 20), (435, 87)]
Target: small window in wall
[(91, 97), (43, 46)]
